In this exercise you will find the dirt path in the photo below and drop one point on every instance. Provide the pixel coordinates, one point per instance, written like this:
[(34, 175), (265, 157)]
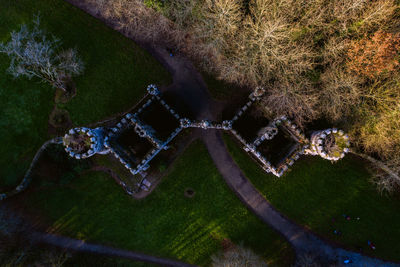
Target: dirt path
[(82, 246)]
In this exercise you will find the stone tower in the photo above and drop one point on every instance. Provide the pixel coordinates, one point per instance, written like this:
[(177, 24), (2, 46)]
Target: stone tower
[(330, 144), (82, 142)]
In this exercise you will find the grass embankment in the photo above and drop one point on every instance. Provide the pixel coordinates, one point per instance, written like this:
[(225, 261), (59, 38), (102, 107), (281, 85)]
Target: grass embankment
[(166, 223), (316, 191), (115, 77)]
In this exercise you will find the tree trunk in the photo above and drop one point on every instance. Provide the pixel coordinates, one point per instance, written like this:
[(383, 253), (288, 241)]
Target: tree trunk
[(378, 164)]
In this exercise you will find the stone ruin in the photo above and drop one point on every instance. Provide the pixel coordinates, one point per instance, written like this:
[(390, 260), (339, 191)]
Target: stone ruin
[(82, 142), (330, 144), (316, 145), (145, 145), (137, 138)]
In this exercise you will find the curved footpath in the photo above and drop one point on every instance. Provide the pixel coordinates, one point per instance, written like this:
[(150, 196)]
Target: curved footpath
[(82, 246)]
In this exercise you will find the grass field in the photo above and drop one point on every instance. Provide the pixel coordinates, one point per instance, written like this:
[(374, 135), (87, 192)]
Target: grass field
[(166, 223), (316, 193), (116, 75)]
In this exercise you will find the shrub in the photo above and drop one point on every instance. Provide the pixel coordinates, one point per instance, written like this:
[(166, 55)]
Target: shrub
[(377, 127), (377, 131), (386, 183), (380, 133)]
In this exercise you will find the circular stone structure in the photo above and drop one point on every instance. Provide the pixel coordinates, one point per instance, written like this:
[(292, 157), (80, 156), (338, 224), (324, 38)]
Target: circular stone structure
[(82, 142), (259, 91), (205, 124), (331, 144), (185, 122), (268, 132), (153, 90), (227, 125)]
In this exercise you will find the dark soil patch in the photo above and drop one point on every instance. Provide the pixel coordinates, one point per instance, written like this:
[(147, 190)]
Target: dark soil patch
[(227, 245), (59, 118), (189, 192), (59, 122), (62, 96), (160, 119)]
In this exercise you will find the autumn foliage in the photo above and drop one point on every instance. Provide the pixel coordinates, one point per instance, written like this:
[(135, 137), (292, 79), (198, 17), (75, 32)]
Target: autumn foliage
[(371, 57)]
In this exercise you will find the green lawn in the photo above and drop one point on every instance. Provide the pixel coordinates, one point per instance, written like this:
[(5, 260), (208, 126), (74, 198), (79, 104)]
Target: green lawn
[(166, 223), (315, 191), (116, 75), (112, 163)]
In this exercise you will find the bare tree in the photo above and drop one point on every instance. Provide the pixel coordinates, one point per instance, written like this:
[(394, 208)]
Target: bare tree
[(54, 258), (33, 54), (341, 92), (238, 256), (386, 176)]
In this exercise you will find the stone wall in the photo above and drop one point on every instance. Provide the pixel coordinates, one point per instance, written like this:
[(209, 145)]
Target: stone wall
[(146, 131)]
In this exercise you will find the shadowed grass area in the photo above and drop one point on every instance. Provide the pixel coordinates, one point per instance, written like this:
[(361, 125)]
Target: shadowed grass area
[(116, 74), (166, 223), (221, 90), (317, 193), (109, 161)]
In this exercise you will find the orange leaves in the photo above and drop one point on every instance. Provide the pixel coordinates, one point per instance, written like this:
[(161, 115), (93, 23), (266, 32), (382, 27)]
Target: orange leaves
[(371, 57)]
